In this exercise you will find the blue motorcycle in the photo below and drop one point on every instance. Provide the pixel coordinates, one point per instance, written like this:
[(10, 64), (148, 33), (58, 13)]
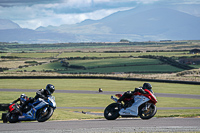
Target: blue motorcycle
[(40, 110)]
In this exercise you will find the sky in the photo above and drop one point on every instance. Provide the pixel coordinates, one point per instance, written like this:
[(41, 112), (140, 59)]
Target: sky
[(35, 13)]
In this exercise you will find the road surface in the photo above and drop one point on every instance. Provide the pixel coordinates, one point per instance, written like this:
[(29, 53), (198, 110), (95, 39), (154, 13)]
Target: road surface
[(105, 126)]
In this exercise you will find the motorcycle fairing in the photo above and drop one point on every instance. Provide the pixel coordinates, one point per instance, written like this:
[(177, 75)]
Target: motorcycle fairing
[(31, 115), (150, 95), (51, 101), (133, 110), (41, 104)]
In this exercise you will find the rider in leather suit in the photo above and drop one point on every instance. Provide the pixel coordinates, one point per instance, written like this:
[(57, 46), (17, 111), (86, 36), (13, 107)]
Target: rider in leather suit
[(22, 99), (42, 93), (129, 94)]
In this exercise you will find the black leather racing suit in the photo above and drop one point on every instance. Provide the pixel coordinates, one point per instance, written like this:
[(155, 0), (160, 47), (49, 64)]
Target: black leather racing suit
[(42, 93)]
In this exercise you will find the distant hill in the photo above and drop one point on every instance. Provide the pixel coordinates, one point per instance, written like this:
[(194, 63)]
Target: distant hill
[(138, 24), (152, 24), (7, 24), (32, 36)]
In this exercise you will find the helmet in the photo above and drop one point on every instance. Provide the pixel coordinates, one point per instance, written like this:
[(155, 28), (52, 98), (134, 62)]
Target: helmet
[(50, 88), (147, 86), (23, 97)]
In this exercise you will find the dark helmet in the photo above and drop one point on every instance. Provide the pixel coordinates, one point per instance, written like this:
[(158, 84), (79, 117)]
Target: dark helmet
[(50, 88), (147, 86)]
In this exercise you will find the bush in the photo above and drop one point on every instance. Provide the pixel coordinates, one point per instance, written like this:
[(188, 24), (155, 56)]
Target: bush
[(35, 62), (77, 67), (3, 69)]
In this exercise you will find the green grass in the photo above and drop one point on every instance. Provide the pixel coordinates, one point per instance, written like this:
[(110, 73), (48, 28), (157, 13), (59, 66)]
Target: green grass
[(43, 67), (196, 66), (178, 113), (177, 102), (95, 84), (8, 97), (34, 55), (64, 114), (138, 65), (134, 69), (3, 54), (100, 54), (114, 62)]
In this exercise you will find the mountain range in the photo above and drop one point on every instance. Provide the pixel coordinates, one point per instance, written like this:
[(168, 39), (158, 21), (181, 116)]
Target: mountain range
[(134, 25)]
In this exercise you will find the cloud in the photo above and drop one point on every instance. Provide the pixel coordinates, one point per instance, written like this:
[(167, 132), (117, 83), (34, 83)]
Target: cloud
[(182, 2), (35, 13), (67, 12)]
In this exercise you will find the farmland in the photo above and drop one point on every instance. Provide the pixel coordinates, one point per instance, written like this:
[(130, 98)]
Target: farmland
[(139, 59)]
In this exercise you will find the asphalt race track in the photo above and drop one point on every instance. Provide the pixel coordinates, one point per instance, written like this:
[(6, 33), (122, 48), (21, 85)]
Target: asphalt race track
[(105, 126)]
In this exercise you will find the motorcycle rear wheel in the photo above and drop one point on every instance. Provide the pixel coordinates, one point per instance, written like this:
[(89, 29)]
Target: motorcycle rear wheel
[(44, 116), (111, 112), (4, 117), (149, 113)]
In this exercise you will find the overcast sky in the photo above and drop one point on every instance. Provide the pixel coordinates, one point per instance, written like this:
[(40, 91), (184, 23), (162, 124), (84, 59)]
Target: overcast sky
[(34, 13)]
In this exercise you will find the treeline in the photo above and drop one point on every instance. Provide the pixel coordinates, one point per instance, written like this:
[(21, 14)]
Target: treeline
[(139, 51), (3, 69), (9, 57), (16, 45), (169, 61)]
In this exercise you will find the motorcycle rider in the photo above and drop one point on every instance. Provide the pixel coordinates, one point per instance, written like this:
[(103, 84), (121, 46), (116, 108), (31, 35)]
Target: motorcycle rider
[(42, 93), (129, 94), (22, 99)]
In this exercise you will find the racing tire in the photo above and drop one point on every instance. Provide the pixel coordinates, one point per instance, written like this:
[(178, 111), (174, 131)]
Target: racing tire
[(111, 112), (42, 117), (4, 117), (149, 113)]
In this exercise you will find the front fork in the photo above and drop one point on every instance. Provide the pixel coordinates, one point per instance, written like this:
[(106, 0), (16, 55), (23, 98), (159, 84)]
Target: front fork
[(147, 106)]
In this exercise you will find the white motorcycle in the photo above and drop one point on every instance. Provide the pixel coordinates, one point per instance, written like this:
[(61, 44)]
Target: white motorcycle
[(144, 106)]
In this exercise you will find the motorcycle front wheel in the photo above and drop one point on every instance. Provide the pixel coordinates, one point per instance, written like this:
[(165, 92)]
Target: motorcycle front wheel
[(44, 114), (111, 112), (148, 113)]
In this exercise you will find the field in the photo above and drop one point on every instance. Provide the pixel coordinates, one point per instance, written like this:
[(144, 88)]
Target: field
[(120, 57), (137, 65), (93, 62), (127, 54)]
